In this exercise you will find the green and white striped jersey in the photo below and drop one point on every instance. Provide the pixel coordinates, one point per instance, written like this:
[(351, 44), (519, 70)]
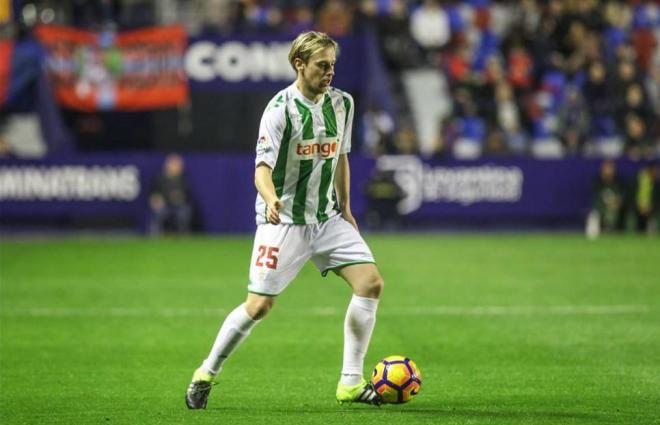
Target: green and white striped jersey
[(301, 141)]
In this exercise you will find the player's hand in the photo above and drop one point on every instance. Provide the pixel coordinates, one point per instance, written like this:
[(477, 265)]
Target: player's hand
[(348, 216), (273, 211)]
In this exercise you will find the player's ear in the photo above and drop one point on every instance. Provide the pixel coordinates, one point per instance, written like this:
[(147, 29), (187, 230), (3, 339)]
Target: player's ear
[(298, 64)]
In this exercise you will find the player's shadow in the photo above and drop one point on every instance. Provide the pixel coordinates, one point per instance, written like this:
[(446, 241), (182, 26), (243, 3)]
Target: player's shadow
[(502, 414), (446, 413)]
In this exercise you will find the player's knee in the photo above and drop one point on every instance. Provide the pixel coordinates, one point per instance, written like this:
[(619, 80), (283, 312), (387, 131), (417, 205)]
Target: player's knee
[(258, 307), (373, 286), (378, 285)]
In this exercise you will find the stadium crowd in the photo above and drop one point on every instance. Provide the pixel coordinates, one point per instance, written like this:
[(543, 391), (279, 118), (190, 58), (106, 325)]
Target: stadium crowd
[(571, 77), (564, 77), (575, 77)]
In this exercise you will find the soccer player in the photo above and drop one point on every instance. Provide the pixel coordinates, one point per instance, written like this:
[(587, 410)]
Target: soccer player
[(303, 211)]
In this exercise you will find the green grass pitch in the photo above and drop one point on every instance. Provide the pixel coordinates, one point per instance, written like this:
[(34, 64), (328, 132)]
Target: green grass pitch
[(507, 329)]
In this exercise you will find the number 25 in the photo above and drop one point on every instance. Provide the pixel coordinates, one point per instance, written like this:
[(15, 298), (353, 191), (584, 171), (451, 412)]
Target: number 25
[(268, 252)]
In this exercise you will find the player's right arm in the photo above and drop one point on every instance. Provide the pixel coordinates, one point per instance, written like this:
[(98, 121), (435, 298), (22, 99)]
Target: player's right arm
[(271, 131), (263, 180)]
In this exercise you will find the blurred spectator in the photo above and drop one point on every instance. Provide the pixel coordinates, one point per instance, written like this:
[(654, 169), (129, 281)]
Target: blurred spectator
[(170, 200), (526, 18), (379, 129), (634, 102), (217, 16), (458, 65), (544, 43), (335, 18), (446, 136), (383, 195), (302, 19), (496, 143), (508, 119), (587, 11), (259, 17), (596, 91), (429, 25), (653, 86), (399, 49), (637, 141), (368, 12), (617, 16), (645, 196), (573, 121), (573, 47), (405, 141), (483, 86), (643, 37), (520, 69), (608, 205), (626, 75)]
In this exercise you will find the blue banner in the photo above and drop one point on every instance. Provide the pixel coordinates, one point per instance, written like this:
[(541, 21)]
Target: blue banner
[(222, 188), (103, 186), (491, 188)]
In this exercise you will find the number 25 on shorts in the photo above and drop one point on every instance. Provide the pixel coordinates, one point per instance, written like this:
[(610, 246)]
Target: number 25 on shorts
[(270, 252)]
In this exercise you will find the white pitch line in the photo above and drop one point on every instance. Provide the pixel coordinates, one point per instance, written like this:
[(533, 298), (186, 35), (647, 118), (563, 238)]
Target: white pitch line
[(523, 310), (558, 310)]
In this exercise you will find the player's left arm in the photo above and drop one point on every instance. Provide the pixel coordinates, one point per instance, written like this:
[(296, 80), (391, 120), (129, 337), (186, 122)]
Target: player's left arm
[(343, 172), (343, 189)]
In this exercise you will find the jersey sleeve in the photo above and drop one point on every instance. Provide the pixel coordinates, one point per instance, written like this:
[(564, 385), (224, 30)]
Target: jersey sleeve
[(348, 128), (271, 130)]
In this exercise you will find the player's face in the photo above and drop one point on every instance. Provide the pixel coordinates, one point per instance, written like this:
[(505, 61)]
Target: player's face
[(317, 73)]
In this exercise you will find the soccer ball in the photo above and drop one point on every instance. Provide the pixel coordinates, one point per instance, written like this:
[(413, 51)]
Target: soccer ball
[(397, 379)]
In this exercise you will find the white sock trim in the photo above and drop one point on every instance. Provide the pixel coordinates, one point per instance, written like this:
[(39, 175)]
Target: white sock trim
[(247, 322), (350, 379), (369, 304)]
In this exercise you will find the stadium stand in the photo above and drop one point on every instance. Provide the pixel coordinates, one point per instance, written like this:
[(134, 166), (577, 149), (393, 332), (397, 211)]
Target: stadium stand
[(547, 79), (444, 83)]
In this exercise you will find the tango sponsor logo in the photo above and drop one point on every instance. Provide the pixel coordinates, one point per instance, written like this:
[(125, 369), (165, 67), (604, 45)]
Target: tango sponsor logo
[(314, 148)]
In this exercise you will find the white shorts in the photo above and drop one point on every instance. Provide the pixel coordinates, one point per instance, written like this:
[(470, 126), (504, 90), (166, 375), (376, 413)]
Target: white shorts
[(281, 250)]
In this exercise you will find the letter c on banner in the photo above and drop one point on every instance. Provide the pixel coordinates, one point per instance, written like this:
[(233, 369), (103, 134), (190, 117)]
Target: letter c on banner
[(199, 61)]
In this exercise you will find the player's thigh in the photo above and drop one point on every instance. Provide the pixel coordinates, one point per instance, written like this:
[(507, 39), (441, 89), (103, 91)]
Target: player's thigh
[(338, 245), (278, 254)]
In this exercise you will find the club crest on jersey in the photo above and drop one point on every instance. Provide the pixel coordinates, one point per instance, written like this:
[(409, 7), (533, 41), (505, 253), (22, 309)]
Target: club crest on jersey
[(322, 148), (262, 145)]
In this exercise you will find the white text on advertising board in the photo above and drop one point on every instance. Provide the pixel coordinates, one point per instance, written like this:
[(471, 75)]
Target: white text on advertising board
[(235, 61), (69, 183), (464, 185)]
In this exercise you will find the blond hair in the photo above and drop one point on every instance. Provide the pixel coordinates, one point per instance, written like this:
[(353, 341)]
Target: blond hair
[(308, 43)]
